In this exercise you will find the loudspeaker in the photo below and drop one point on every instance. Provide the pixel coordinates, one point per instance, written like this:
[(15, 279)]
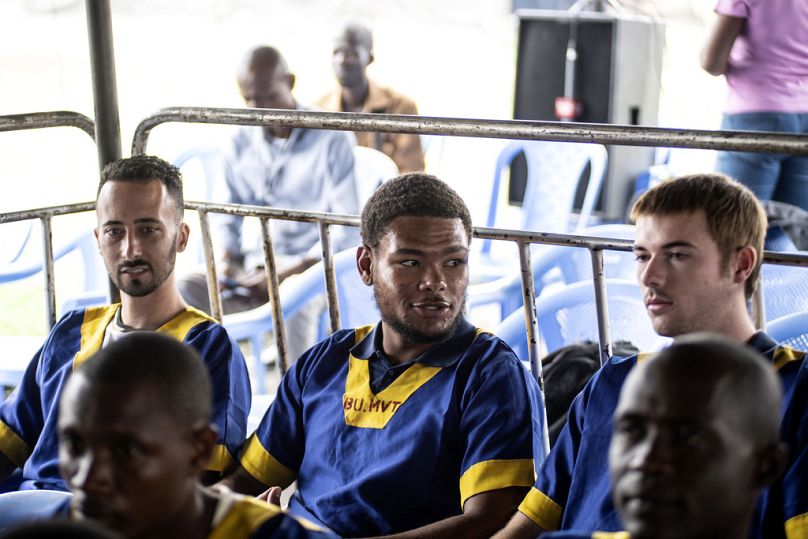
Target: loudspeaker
[(617, 74)]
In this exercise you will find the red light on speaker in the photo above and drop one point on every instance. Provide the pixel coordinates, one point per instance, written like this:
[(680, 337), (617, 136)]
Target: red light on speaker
[(568, 109)]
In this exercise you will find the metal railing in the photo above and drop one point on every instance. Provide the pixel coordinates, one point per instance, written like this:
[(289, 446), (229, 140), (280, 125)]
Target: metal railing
[(44, 120)]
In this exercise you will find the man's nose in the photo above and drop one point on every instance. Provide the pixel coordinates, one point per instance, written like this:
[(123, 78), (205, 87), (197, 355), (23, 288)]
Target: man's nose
[(653, 454), (433, 279), (652, 273), (132, 247)]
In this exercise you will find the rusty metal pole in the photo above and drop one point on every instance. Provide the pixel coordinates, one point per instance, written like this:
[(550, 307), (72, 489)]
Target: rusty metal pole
[(105, 89)]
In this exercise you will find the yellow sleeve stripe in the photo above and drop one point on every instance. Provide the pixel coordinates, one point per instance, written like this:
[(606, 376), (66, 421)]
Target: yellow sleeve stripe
[(244, 518), (611, 535), (264, 467), (13, 446), (221, 460), (542, 510), (495, 474), (797, 527)]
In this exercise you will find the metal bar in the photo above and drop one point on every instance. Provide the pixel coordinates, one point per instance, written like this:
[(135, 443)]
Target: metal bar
[(759, 307), (274, 296), (105, 90), (275, 213), (330, 279), (50, 285), (532, 326), (214, 295), (39, 120), (466, 127), (38, 213), (601, 305)]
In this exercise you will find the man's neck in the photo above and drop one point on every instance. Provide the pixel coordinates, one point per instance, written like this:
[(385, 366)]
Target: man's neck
[(398, 349), (354, 97), (194, 519), (152, 311)]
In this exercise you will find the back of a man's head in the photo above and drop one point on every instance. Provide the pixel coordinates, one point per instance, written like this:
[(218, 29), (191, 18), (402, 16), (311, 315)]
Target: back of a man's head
[(735, 217), (146, 167), (172, 369), (411, 195), (695, 439)]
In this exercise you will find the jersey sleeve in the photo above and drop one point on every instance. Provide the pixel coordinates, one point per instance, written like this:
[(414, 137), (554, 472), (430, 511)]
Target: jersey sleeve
[(496, 426), (274, 452), (544, 504), (21, 417), (733, 8), (231, 389)]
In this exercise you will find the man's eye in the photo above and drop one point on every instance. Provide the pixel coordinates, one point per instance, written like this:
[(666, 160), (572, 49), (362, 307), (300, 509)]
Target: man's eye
[(113, 232), (641, 257), (677, 256), (455, 262), (409, 263), (122, 451), (72, 444)]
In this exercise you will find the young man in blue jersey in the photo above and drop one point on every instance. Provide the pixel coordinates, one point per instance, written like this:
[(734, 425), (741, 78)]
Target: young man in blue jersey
[(135, 434), (691, 450), (699, 244), (419, 426), (140, 231)]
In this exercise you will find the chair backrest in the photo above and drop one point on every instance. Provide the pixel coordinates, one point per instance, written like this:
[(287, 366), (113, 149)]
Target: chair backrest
[(790, 330), (785, 290), (27, 505), (371, 169), (568, 315), (553, 171)]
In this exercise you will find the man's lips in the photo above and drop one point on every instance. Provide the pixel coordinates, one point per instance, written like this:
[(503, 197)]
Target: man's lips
[(432, 307), (655, 304), (95, 510), (134, 269)]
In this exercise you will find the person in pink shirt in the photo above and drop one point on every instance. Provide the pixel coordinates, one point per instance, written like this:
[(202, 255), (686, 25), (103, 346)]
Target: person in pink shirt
[(761, 46)]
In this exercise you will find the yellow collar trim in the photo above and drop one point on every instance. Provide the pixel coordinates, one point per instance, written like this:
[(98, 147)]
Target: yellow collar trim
[(96, 320), (364, 409), (644, 356), (784, 355)]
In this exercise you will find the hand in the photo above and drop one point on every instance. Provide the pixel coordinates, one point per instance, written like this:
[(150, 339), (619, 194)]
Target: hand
[(271, 495)]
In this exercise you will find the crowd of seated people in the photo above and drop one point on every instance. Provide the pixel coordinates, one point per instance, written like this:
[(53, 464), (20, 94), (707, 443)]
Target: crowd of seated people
[(421, 425)]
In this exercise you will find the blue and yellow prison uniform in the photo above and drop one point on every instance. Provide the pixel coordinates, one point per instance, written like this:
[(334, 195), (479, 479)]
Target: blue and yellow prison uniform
[(455, 423), (28, 418), (573, 490), (244, 517)]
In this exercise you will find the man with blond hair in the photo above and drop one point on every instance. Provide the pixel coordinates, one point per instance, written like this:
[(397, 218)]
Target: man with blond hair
[(699, 247)]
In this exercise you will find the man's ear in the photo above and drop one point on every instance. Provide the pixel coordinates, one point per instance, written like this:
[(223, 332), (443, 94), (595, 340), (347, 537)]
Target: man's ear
[(771, 464), (364, 263), (746, 260), (97, 241), (204, 443), (291, 79), (183, 231)]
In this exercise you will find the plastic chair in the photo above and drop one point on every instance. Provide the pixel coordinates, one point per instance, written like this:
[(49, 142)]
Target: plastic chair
[(560, 265), (27, 505), (568, 315), (790, 330), (371, 169), (785, 290), (553, 171), (355, 301)]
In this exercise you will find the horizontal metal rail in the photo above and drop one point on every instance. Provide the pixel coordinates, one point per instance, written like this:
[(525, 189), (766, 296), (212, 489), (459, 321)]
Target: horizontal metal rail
[(41, 120), (627, 135)]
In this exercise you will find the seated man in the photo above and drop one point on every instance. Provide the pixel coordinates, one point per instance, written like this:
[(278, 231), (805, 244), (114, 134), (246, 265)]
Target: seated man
[(135, 433), (419, 426), (699, 245), (691, 450), (282, 167), (353, 53), (140, 231)]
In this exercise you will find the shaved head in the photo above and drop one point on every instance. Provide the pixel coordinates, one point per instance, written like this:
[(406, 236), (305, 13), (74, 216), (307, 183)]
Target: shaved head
[(263, 59)]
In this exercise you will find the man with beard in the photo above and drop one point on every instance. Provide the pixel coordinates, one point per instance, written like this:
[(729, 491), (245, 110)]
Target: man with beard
[(419, 426), (699, 249), (140, 231)]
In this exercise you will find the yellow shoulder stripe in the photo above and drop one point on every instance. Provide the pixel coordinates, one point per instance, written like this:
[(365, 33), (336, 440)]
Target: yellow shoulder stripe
[(96, 320), (541, 509), (93, 327), (491, 475), (797, 527), (13, 446), (644, 356), (244, 518), (611, 535), (784, 355), (264, 467)]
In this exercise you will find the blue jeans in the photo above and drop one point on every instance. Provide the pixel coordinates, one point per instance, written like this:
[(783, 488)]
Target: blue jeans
[(770, 176)]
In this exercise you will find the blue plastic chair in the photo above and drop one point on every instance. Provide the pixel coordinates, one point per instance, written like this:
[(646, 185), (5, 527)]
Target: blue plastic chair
[(791, 330), (785, 290), (355, 301), (553, 171), (568, 315), (555, 264), (27, 505)]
